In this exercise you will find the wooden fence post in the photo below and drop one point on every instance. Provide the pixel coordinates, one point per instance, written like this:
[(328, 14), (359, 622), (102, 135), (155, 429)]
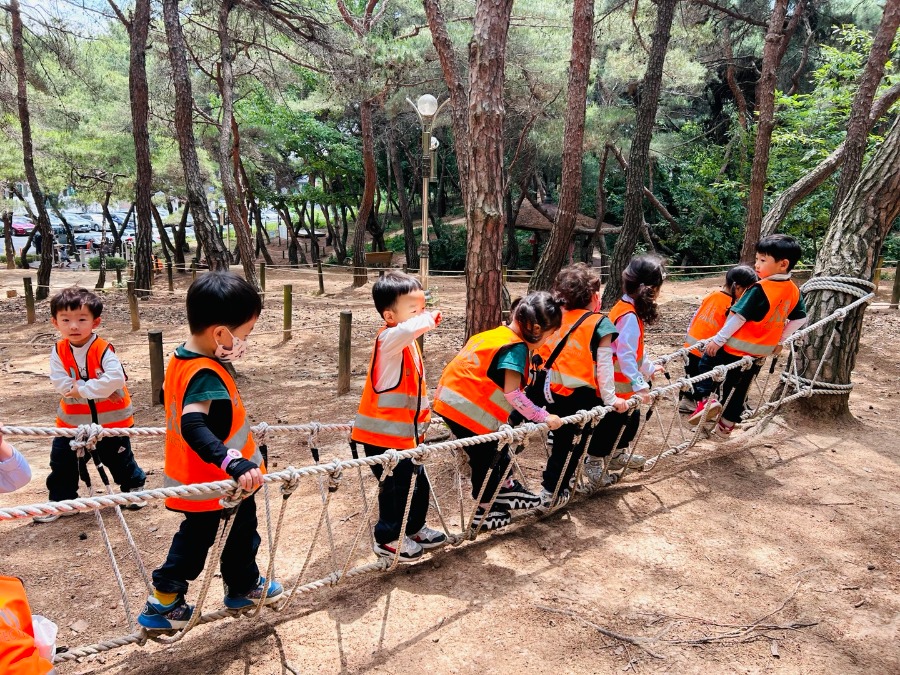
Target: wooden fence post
[(170, 277), (133, 307), (288, 310), (118, 275), (29, 300), (321, 278), (895, 293), (343, 384), (193, 272), (262, 276), (157, 368)]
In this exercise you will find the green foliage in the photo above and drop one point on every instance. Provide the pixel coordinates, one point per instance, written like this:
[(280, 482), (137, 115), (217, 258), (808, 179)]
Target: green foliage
[(111, 263), (31, 257)]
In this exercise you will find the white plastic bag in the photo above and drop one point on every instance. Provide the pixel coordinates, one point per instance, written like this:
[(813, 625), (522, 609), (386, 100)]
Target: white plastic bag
[(44, 636)]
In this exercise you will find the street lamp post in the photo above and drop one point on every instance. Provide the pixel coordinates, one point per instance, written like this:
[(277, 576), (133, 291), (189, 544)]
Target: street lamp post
[(427, 109)]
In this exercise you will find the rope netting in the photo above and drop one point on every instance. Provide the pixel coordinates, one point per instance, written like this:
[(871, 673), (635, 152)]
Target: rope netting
[(327, 548)]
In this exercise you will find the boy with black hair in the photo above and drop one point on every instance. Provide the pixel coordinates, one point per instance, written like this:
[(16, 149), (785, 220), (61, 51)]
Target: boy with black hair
[(394, 413), (86, 372), (767, 313), (208, 439)]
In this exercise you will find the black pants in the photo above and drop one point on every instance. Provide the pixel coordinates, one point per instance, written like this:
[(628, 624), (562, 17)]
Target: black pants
[(607, 431), (564, 437), (393, 495), (114, 452), (691, 369), (191, 544), (484, 461), (737, 383)]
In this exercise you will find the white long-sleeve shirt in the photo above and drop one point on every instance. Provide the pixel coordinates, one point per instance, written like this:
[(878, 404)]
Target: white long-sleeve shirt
[(626, 348), (391, 343), (14, 472), (110, 380)]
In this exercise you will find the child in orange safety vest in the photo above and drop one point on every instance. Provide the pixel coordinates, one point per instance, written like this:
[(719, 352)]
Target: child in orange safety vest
[(632, 370), (758, 323), (208, 439), (394, 413), (479, 389), (86, 372), (580, 375), (709, 319)]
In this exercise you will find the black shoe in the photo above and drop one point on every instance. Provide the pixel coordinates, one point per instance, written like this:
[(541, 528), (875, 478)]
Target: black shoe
[(517, 497), (493, 520)]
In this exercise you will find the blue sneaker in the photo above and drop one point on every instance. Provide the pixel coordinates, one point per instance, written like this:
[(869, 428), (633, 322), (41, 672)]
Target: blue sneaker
[(271, 589), (157, 616)]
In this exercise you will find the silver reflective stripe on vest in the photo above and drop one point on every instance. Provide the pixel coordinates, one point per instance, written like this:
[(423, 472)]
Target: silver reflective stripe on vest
[(111, 417), (115, 415), (751, 348), (569, 381), (69, 418), (472, 410), (404, 401), (239, 438), (622, 387), (376, 425)]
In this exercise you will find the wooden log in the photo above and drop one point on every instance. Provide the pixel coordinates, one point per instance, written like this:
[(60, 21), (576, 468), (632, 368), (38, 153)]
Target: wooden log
[(343, 384), (29, 300), (170, 276), (321, 278), (133, 307), (157, 367), (288, 310), (262, 276)]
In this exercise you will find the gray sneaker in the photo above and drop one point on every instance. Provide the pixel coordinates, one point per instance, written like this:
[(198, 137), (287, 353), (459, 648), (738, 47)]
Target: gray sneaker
[(621, 460)]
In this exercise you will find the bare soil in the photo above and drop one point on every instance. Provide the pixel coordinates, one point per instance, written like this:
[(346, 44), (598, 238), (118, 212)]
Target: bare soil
[(785, 540)]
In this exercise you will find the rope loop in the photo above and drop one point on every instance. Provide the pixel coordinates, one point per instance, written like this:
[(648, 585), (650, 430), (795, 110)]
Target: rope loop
[(392, 462), (335, 474), (419, 460), (290, 485), (508, 434), (312, 440), (685, 385), (748, 361), (719, 373), (85, 439), (260, 431), (233, 499)]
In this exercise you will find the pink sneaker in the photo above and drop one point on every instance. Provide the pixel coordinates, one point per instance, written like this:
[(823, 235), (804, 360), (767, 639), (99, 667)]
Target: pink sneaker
[(707, 410)]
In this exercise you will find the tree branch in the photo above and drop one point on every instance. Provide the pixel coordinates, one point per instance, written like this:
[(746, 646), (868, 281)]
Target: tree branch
[(734, 14)]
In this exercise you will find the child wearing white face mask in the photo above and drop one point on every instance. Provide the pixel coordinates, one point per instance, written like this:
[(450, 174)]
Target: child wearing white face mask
[(208, 439)]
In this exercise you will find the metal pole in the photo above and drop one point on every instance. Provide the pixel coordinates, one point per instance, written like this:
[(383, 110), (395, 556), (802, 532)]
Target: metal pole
[(426, 175)]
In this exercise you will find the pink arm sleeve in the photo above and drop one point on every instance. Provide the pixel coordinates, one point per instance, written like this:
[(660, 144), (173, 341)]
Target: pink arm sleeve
[(519, 401)]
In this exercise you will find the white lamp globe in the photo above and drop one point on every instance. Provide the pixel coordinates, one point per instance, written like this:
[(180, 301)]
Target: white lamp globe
[(427, 105)]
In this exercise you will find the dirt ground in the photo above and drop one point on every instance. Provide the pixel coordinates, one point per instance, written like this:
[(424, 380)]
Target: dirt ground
[(786, 540)]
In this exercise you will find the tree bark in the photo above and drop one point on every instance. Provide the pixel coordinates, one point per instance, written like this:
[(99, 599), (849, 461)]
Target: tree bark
[(409, 235), (633, 220), (869, 79), (600, 212), (777, 37), (851, 247), (554, 256), (7, 240), (368, 195), (739, 99), (824, 170), (229, 150), (43, 221), (484, 209), (207, 236)]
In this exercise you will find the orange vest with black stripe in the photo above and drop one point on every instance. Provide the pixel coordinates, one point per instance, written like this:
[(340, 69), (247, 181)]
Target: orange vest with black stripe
[(709, 319), (574, 367), (624, 388), (114, 412), (183, 466), (18, 653), (396, 417), (466, 394), (759, 338)]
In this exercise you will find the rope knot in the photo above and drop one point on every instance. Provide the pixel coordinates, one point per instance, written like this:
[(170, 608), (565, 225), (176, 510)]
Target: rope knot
[(719, 374), (312, 440), (260, 431), (233, 498), (393, 459), (85, 439), (291, 483), (418, 460), (335, 474), (507, 433)]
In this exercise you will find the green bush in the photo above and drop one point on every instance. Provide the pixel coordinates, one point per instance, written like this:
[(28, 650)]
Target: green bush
[(31, 257), (111, 263)]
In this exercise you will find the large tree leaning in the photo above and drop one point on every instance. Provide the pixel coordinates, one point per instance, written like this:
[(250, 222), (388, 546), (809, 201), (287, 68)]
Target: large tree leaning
[(485, 214), (633, 220), (851, 248), (554, 255), (207, 235), (778, 36), (43, 278)]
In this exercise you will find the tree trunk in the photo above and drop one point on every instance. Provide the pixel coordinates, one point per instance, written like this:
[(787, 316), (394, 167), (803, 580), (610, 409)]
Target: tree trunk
[(554, 256), (207, 237), (633, 220), (869, 79), (851, 247), (180, 239), (101, 278), (43, 224), (776, 41), (484, 209), (165, 244), (600, 211), (368, 195), (410, 244), (459, 97), (739, 98), (229, 150), (7, 240)]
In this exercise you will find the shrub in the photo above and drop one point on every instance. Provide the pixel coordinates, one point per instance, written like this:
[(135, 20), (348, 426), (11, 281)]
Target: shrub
[(31, 257), (111, 263)]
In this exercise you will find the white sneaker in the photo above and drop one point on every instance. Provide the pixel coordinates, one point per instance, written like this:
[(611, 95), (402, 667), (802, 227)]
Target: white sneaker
[(561, 499), (410, 551), (428, 538), (622, 459)]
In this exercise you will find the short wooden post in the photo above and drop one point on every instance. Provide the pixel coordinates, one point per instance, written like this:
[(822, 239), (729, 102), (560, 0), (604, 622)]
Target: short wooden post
[(29, 300), (343, 384), (288, 310), (157, 368), (170, 277), (321, 278), (262, 276), (895, 293), (133, 307), (193, 272), (877, 278), (118, 275), (504, 274)]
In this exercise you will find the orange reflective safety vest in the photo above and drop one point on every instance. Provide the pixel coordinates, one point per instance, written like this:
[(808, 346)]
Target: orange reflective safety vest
[(709, 319), (396, 417), (624, 388), (18, 653), (759, 338), (114, 412), (184, 466), (466, 394), (574, 367)]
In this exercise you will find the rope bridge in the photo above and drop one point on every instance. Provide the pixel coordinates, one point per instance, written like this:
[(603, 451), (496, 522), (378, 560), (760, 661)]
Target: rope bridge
[(331, 553)]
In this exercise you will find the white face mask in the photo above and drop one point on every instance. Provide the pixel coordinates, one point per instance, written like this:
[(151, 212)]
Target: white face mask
[(238, 349)]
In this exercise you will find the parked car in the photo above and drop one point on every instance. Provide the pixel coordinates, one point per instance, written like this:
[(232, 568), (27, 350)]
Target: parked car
[(97, 220), (81, 240), (21, 227), (79, 223)]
